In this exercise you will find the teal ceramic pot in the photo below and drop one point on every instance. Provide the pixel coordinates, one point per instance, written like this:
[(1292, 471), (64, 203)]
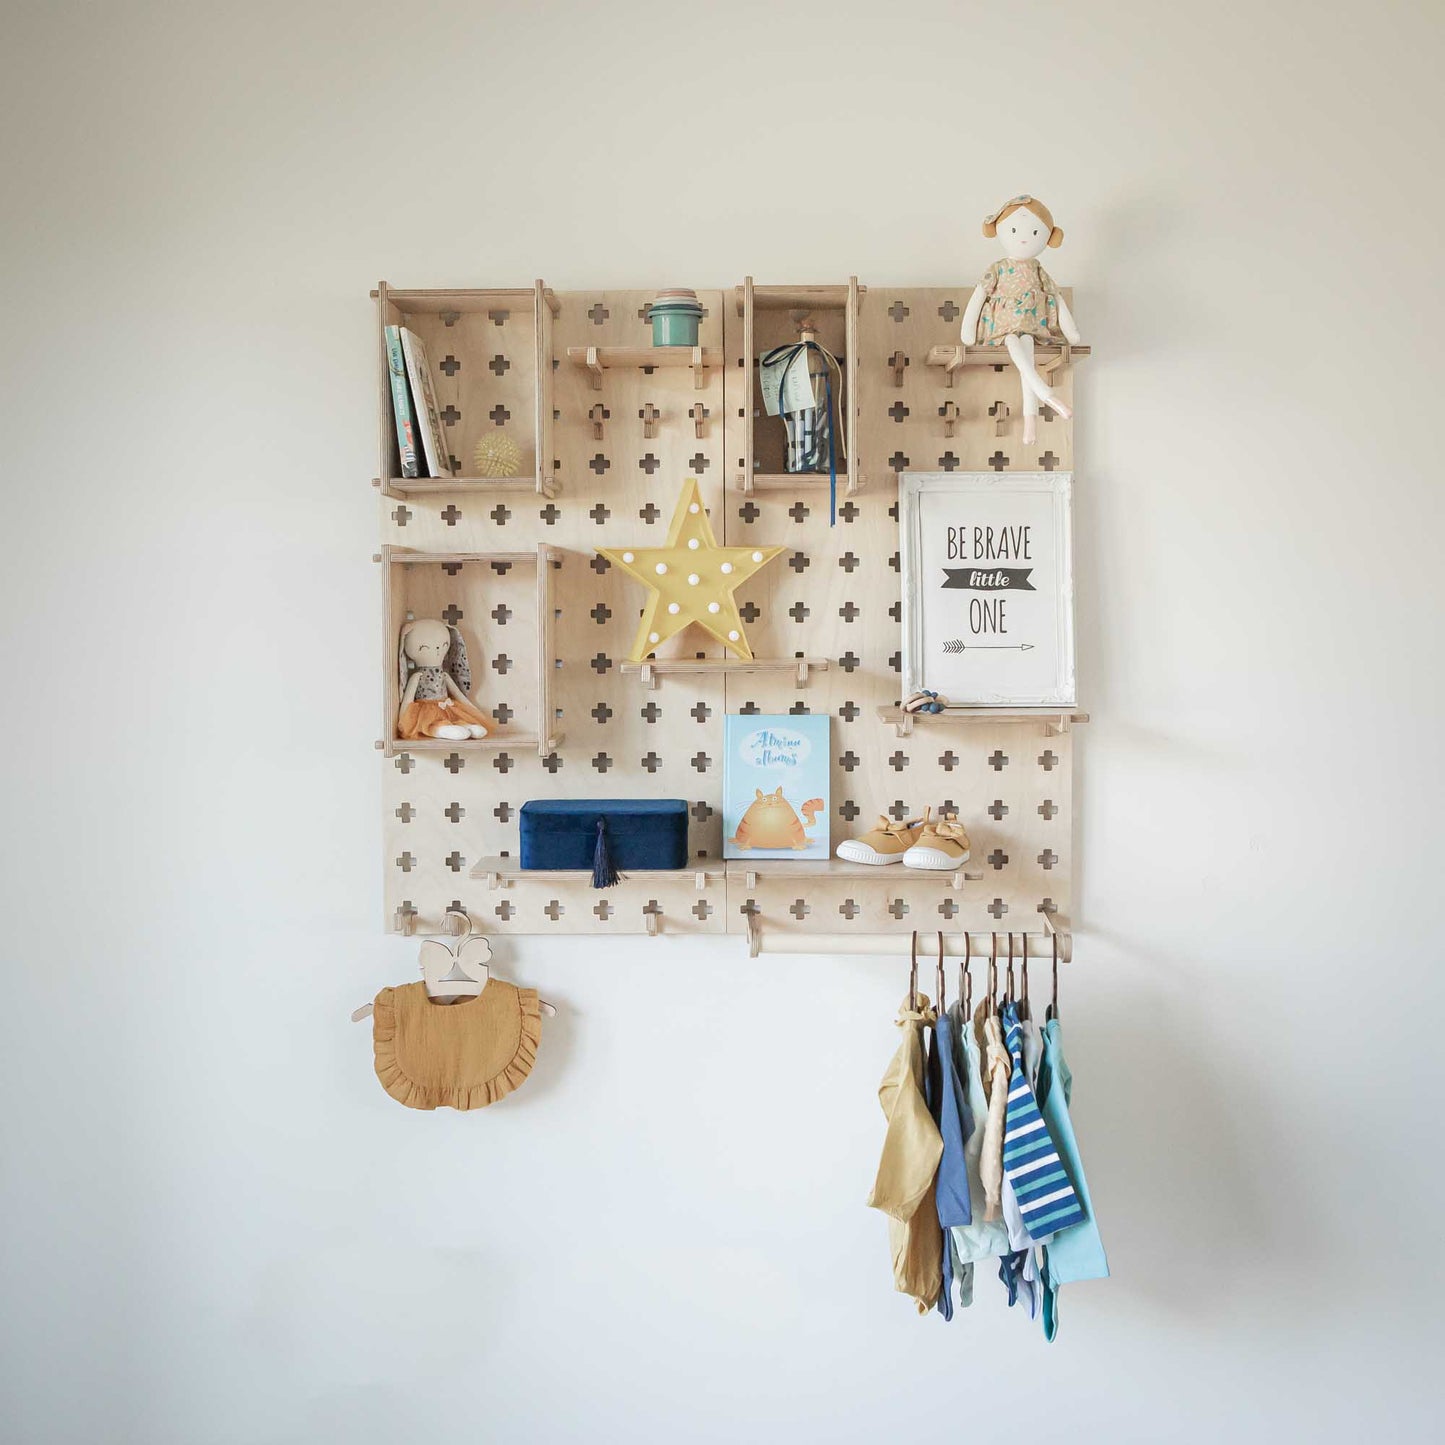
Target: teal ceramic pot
[(675, 316)]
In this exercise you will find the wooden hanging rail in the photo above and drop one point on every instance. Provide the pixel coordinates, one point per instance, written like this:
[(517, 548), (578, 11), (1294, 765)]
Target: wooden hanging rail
[(655, 668), (598, 359), (1057, 720), (974, 945)]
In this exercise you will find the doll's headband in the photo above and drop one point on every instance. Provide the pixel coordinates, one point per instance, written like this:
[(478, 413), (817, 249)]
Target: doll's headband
[(990, 223)]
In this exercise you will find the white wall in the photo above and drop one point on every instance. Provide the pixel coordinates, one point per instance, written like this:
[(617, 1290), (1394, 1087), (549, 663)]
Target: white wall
[(217, 1227)]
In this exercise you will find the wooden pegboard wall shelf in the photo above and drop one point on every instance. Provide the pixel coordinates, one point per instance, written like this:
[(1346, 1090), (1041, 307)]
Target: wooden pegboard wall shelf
[(600, 359), (769, 315), (771, 870), (459, 588), (649, 673), (503, 872), (490, 352), (952, 359), (445, 811), (1054, 720)]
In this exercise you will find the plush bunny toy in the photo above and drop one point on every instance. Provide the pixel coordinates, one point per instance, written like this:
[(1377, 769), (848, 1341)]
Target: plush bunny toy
[(1017, 301), (434, 702)]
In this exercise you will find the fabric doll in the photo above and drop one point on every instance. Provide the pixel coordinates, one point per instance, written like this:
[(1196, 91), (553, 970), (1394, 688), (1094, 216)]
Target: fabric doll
[(434, 702), (1017, 302)]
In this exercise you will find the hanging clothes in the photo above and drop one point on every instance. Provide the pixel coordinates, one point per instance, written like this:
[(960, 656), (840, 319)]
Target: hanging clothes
[(1076, 1252), (995, 1070), (912, 1146), (947, 1106), (1046, 1198), (811, 443), (982, 1238)]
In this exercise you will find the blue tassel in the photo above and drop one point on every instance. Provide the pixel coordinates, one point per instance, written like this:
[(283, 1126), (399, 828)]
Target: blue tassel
[(604, 875)]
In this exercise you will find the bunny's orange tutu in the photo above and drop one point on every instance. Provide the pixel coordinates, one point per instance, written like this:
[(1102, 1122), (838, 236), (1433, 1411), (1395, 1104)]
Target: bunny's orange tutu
[(422, 719)]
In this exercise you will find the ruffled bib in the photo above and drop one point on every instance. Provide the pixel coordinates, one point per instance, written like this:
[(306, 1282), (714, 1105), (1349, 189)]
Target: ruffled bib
[(457, 1056)]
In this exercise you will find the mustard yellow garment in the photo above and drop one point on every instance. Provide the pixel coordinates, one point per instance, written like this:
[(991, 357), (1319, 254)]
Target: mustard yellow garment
[(996, 1068), (912, 1147), (460, 1056)]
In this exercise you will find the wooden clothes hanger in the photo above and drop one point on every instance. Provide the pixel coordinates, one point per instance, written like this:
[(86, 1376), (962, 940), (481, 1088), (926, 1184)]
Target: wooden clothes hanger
[(451, 976)]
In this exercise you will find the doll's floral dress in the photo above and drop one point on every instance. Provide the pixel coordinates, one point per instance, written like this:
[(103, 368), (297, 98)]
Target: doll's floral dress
[(1020, 299)]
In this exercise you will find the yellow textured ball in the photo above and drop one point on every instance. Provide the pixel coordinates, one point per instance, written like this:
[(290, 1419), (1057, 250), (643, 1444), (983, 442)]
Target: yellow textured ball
[(497, 455)]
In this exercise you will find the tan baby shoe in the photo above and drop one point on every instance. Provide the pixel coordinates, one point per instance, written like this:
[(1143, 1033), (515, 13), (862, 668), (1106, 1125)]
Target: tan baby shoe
[(940, 845), (887, 843)]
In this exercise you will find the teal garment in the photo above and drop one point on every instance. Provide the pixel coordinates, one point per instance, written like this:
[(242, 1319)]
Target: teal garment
[(1075, 1253)]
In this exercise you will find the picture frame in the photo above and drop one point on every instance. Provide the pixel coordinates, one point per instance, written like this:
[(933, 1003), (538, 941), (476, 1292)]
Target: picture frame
[(988, 587)]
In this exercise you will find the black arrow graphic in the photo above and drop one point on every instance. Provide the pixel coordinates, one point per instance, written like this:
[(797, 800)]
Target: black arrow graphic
[(955, 645)]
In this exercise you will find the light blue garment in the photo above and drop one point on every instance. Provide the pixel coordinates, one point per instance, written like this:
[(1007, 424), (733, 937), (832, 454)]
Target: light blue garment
[(954, 1204), (1075, 1253), (983, 1238)]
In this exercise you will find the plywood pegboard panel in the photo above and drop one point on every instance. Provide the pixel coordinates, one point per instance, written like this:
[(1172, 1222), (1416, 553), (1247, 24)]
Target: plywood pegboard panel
[(834, 593)]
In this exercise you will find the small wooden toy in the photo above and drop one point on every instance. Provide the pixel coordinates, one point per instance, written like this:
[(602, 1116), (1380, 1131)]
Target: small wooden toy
[(690, 579), (1017, 302), (923, 701)]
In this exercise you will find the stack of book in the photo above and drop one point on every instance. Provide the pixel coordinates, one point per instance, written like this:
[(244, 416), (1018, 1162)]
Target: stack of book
[(413, 399)]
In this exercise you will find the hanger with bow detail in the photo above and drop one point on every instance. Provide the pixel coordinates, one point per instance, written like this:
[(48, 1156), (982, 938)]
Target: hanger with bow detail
[(449, 975)]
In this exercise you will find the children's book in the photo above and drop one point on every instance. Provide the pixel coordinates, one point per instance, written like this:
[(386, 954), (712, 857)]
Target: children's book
[(401, 402), (775, 786), (418, 371)]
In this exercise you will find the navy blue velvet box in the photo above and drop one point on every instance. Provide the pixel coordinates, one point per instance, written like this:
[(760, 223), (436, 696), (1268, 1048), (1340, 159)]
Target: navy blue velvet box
[(639, 832)]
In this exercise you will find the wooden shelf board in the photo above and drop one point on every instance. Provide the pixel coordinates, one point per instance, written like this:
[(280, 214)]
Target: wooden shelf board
[(467, 299), (501, 871), (1059, 719), (954, 356), (769, 870), (794, 481), (492, 743), (655, 668), (799, 298), (598, 359), (417, 486), (406, 557)]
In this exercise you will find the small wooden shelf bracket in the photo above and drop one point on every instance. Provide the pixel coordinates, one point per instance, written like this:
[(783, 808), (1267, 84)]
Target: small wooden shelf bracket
[(599, 359), (949, 412), (649, 416), (953, 358), (504, 872), (699, 414)]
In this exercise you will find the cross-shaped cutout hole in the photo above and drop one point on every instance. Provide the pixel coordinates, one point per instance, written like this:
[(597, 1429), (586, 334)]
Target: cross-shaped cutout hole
[(849, 661), (451, 514), (849, 711), (452, 614), (454, 763), (898, 908), (600, 613), (750, 612), (948, 761), (701, 761), (948, 311), (899, 811), (848, 512), (499, 514), (702, 910), (449, 366), (455, 812), (598, 314), (649, 514), (1048, 461), (997, 908), (503, 713), (848, 810), (798, 511), (848, 562), (406, 812), (799, 612), (849, 761), (799, 709), (997, 810), (651, 762), (504, 763), (699, 463), (849, 909), (749, 512), (553, 909), (500, 415), (998, 760), (454, 861), (602, 713), (502, 614), (599, 464), (848, 612), (649, 463), (898, 311), (997, 859), (1047, 859), (897, 411), (550, 515), (799, 909), (599, 565), (948, 462), (502, 812), (601, 762), (406, 862), (603, 909), (798, 562), (1047, 906), (948, 908), (1048, 760), (650, 713), (401, 516), (499, 365), (1047, 809), (701, 712), (601, 664), (502, 663), (504, 910), (898, 760), (998, 461), (701, 811)]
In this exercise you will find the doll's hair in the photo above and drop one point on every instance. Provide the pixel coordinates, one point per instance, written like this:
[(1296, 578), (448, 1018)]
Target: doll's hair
[(1056, 236)]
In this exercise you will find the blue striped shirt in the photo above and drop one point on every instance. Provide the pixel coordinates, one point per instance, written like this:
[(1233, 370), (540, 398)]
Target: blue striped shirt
[(1047, 1200)]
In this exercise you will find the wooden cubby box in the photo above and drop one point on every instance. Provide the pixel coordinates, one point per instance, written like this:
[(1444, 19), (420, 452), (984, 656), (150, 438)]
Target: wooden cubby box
[(490, 353), (502, 604), (770, 316)]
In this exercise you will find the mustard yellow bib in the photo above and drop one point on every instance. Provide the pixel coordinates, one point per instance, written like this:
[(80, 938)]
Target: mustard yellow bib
[(460, 1056)]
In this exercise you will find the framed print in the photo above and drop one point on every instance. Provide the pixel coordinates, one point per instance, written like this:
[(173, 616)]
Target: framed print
[(988, 587)]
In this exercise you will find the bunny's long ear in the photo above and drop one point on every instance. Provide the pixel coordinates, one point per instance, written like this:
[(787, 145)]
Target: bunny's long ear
[(457, 664), (403, 668)]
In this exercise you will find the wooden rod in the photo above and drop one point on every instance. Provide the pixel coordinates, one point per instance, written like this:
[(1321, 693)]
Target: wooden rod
[(889, 945)]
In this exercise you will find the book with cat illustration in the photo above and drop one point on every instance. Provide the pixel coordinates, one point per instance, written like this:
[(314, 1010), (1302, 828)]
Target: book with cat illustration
[(775, 786)]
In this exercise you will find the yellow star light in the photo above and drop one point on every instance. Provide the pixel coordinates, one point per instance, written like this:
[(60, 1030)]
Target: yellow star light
[(691, 579)]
